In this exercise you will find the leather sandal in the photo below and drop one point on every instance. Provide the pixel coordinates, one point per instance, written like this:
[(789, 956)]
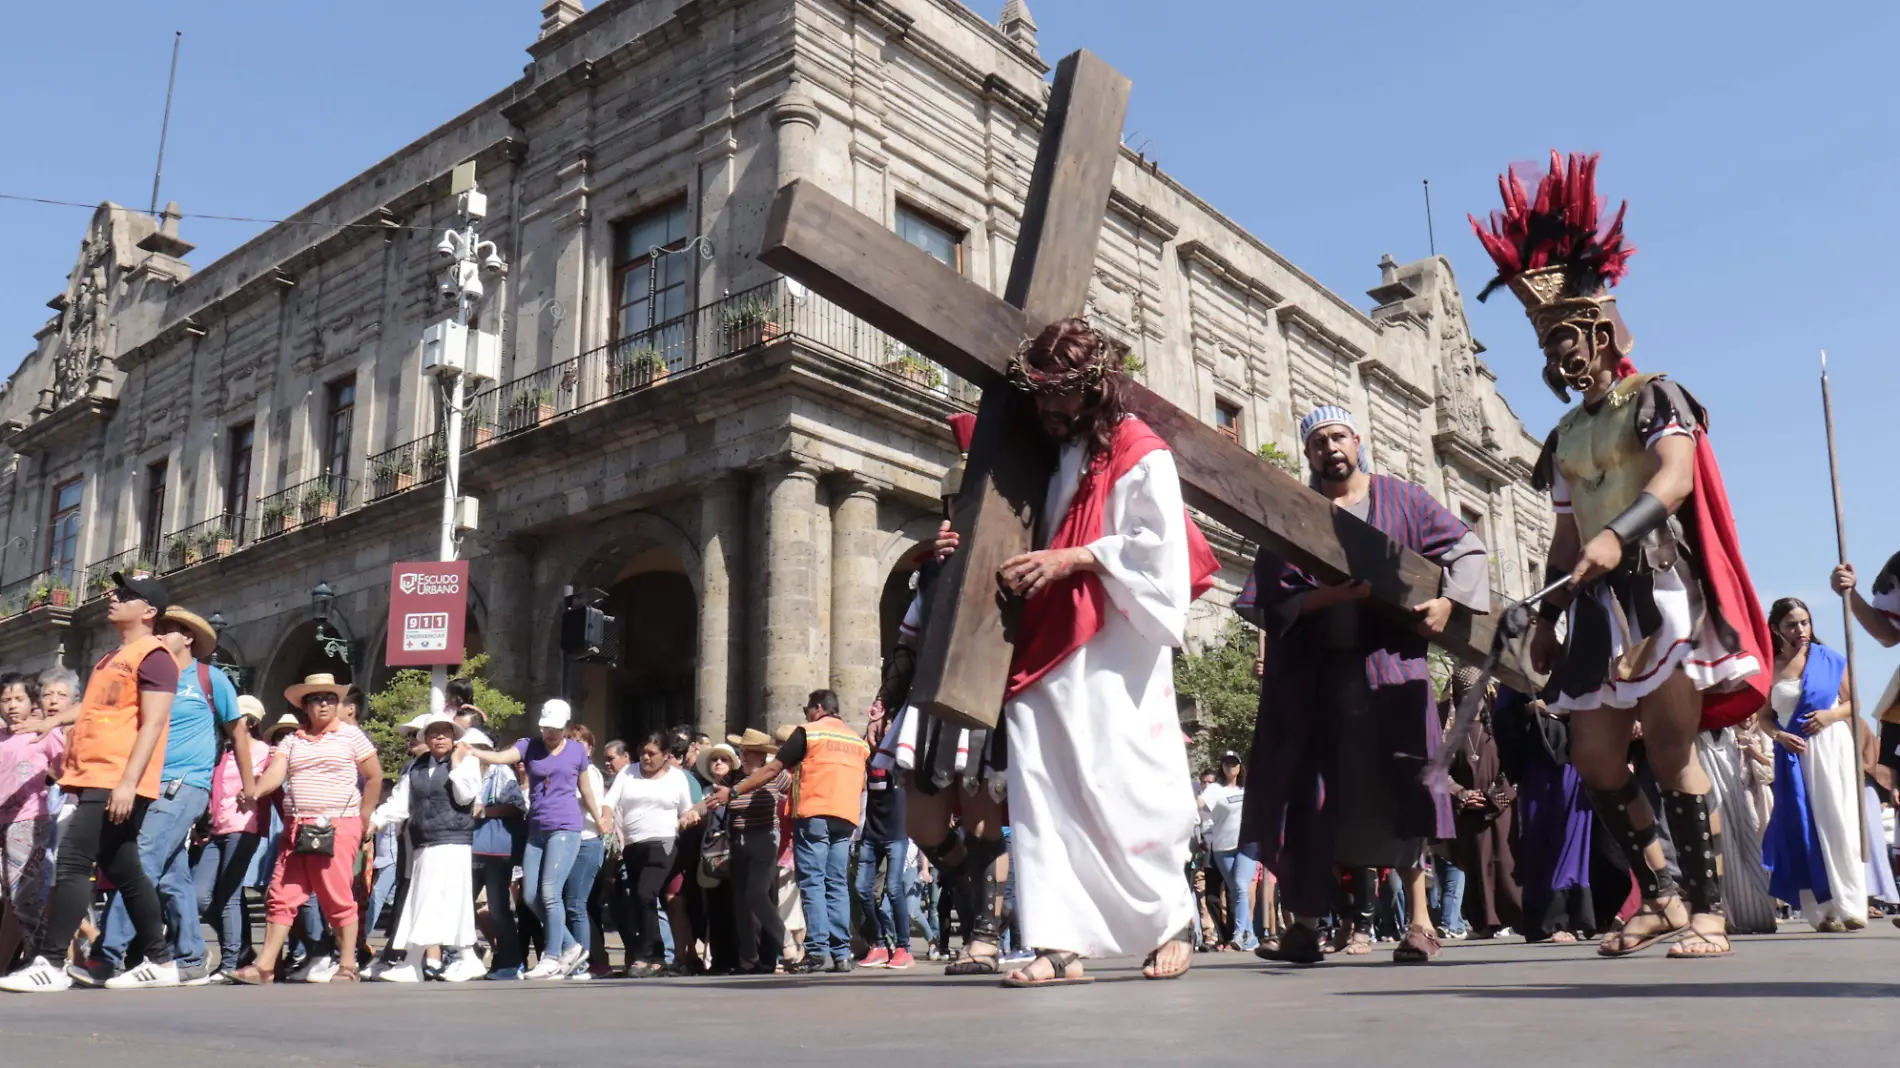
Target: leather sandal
[(1059, 961), (252, 975), (979, 958), (1419, 946)]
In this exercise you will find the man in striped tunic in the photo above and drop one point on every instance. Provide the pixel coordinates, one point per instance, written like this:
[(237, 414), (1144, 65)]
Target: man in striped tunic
[(1348, 721)]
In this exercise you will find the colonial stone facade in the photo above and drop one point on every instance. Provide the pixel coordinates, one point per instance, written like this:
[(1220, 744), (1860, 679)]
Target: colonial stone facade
[(746, 470)]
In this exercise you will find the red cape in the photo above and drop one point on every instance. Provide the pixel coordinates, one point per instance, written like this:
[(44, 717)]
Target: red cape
[(1064, 616), (1732, 601)]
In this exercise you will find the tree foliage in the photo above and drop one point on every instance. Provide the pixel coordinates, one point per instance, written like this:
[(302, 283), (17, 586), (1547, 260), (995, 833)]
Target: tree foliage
[(1282, 459), (1220, 678), (407, 696)]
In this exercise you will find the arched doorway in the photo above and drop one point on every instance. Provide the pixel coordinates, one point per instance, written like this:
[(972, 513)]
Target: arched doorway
[(899, 587), (653, 685), (298, 656)]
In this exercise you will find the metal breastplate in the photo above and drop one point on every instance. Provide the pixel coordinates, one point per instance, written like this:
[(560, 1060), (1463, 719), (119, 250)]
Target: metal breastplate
[(1603, 459)]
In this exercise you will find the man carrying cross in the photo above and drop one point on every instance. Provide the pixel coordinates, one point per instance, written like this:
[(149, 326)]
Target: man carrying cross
[(1101, 807), (1348, 723)]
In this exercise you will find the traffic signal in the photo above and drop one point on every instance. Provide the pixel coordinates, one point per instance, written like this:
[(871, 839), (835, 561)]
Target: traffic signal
[(588, 633)]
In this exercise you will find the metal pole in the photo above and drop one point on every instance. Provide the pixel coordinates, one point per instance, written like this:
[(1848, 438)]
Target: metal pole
[(165, 128), (1430, 237), (1847, 607), (451, 471)]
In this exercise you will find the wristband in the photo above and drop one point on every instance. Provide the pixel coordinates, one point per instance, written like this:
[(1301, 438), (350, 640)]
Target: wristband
[(1646, 514)]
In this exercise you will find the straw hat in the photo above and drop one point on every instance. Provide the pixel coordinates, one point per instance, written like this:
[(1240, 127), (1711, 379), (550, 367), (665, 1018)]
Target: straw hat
[(712, 753), (250, 708), (204, 640), (753, 738), (784, 733), (283, 724), (437, 719), (415, 725), (322, 682)]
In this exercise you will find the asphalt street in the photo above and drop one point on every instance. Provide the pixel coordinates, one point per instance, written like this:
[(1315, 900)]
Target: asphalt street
[(1796, 998)]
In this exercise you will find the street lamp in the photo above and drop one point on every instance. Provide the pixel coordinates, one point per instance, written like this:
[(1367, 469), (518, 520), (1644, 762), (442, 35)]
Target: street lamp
[(231, 668), (337, 647)]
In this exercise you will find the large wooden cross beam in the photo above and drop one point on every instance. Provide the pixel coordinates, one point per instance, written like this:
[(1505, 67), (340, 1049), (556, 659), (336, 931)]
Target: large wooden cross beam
[(853, 260)]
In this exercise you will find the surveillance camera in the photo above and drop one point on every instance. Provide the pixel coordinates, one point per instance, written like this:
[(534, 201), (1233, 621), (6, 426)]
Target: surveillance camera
[(445, 248), (494, 267)]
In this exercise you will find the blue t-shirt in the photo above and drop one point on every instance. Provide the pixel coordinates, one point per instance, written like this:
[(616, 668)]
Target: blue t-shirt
[(191, 748)]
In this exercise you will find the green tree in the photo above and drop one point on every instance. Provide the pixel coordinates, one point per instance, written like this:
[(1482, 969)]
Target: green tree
[(1220, 679), (1281, 459), (407, 696)]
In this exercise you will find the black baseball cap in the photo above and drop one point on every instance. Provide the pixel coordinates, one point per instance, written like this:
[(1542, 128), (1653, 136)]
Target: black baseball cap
[(1230, 755), (145, 588)]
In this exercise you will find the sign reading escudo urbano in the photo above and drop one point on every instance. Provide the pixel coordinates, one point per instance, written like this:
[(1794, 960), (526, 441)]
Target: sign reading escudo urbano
[(428, 609)]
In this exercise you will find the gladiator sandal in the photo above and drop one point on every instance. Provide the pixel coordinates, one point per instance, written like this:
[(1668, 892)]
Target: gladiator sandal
[(1696, 831), (1655, 885), (982, 955)]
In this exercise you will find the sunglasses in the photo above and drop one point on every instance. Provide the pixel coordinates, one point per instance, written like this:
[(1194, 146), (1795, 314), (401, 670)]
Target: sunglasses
[(125, 596)]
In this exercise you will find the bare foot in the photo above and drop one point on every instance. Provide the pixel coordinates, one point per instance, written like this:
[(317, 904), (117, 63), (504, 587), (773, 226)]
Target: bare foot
[(1170, 961), (1562, 938), (1707, 937), (1653, 922), (1358, 945)]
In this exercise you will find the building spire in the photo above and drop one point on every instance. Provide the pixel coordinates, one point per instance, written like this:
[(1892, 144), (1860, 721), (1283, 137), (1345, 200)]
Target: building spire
[(1018, 25), (557, 14)]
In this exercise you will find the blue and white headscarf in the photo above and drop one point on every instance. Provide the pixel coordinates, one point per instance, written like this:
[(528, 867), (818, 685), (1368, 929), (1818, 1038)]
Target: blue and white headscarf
[(1329, 415)]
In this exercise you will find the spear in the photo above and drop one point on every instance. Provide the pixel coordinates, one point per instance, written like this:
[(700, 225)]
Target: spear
[(1847, 608)]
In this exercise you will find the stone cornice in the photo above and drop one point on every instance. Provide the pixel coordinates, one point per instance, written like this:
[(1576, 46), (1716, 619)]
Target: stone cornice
[(1458, 451), (64, 427), (1309, 323), (1195, 251), (1377, 368), (1142, 215)]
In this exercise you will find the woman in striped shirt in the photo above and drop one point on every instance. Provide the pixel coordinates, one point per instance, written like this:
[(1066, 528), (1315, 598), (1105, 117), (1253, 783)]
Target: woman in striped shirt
[(329, 774)]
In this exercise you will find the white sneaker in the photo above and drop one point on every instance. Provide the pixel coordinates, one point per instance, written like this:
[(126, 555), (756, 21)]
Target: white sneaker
[(315, 970), (465, 967), (147, 976), (405, 972), (573, 955), (546, 968), (38, 977)]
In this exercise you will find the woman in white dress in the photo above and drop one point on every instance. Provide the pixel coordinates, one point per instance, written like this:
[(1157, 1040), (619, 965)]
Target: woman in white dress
[(1812, 848), (435, 798)]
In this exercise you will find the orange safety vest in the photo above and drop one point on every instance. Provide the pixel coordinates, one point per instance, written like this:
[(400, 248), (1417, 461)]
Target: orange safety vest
[(831, 777), (101, 742)]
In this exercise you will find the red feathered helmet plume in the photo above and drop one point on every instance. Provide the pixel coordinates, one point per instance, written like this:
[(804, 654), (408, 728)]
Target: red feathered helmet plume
[(1550, 253)]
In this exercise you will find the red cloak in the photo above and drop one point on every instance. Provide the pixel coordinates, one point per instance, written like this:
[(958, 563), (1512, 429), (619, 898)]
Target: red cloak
[(1731, 596), (1066, 614)]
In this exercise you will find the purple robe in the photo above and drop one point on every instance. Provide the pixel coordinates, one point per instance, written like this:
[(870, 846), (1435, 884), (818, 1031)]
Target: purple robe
[(1347, 720)]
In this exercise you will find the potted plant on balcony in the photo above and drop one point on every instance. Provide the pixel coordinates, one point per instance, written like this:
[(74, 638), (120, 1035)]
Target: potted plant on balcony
[(319, 503), (481, 429), (53, 592), (397, 475), (531, 407), (634, 368), (216, 542), (181, 551), (753, 321), (435, 459), (904, 362), (99, 584), (278, 517)]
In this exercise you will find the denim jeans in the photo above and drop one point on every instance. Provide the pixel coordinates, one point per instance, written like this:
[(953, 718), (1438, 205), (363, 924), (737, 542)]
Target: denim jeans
[(495, 876), (887, 918), (824, 864), (545, 866), (219, 875), (1236, 870), (1449, 889), (165, 854), (580, 884), (921, 900), (382, 893)]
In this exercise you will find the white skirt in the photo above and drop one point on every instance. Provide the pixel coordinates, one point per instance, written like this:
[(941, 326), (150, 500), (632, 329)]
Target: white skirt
[(1641, 663), (439, 909)]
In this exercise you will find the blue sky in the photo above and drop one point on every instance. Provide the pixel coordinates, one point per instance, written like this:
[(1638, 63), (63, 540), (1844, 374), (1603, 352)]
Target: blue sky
[(1758, 151)]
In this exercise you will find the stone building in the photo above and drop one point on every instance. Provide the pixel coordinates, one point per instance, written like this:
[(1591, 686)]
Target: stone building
[(746, 470)]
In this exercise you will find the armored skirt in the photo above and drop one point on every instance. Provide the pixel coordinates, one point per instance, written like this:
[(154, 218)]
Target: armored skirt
[(927, 752)]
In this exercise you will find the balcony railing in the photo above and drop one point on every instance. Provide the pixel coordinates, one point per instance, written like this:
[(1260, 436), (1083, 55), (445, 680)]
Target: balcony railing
[(728, 327), (98, 577), (305, 504), (406, 466), (215, 537), (45, 588)]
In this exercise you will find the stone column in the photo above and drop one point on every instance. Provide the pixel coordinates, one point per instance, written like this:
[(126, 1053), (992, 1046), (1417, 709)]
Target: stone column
[(856, 586), (789, 670), (795, 117), (721, 613), (512, 617)]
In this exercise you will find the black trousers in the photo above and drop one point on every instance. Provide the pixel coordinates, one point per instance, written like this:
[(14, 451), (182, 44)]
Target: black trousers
[(760, 934), (648, 864), (94, 841)]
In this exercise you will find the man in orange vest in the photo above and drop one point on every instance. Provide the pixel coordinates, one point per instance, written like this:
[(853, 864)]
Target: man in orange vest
[(111, 777), (829, 758)]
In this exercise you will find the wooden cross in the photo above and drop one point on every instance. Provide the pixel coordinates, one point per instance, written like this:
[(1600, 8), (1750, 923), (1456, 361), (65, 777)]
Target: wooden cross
[(854, 261)]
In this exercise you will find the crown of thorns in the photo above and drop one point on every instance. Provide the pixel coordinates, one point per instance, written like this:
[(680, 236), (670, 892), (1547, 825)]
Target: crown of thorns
[(1030, 380)]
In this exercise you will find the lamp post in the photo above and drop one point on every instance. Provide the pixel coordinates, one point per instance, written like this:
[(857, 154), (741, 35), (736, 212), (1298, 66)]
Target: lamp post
[(231, 668), (337, 647), (467, 259)]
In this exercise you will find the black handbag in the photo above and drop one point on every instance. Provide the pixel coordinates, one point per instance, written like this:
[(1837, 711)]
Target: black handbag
[(313, 839), (715, 855)]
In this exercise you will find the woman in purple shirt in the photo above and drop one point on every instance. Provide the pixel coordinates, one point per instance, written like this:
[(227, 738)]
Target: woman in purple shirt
[(558, 787)]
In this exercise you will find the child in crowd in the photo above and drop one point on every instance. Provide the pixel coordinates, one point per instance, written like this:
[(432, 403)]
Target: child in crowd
[(26, 822)]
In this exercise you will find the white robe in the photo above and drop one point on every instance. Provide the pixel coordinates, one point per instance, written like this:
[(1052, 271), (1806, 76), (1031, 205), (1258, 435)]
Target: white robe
[(1101, 802), (439, 909)]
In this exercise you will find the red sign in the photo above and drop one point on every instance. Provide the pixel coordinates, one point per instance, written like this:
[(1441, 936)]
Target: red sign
[(428, 612)]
